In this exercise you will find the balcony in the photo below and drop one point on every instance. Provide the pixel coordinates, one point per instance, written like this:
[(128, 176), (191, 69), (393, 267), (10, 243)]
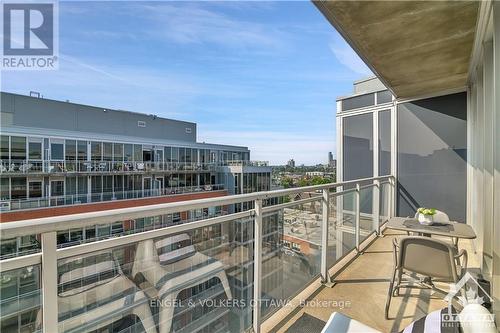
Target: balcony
[(62, 167), (77, 199), (142, 279)]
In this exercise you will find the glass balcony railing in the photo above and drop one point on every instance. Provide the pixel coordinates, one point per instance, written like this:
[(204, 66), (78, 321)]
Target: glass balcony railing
[(76, 199), (222, 273), (84, 166), (75, 166)]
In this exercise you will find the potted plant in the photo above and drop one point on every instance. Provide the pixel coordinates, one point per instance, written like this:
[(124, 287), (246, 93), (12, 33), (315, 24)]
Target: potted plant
[(426, 215)]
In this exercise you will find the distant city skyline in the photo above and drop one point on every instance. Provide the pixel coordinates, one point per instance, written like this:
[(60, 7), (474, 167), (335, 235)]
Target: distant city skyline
[(258, 74)]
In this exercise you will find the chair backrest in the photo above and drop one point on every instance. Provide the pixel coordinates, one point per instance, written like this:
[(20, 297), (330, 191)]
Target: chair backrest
[(79, 274), (438, 217), (429, 257), (174, 248)]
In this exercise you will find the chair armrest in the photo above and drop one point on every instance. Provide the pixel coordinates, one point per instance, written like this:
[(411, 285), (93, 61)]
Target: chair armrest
[(463, 266)]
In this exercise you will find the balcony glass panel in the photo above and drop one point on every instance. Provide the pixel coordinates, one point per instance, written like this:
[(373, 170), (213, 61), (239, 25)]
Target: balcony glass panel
[(296, 259), (180, 282), (20, 300), (341, 238), (367, 224)]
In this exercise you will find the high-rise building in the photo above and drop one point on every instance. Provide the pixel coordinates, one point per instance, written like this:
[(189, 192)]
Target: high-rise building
[(331, 162), (291, 163)]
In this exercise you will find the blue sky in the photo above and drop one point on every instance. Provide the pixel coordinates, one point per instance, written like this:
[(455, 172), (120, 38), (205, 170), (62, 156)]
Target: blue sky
[(259, 74)]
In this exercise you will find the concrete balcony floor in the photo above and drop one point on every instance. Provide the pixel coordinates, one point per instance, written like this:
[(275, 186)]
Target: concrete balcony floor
[(364, 283)]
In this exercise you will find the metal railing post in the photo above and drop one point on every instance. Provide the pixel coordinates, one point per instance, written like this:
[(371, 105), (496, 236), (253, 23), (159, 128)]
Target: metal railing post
[(49, 282), (324, 235), (392, 197), (376, 206), (357, 215), (257, 266)]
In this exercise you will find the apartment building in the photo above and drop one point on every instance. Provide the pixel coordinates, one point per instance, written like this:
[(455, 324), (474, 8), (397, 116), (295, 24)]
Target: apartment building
[(61, 158)]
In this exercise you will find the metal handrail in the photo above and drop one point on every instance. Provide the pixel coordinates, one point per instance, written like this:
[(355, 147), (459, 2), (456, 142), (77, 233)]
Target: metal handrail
[(56, 223)]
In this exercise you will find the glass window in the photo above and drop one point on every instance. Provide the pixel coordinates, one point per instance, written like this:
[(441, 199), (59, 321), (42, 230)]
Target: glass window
[(57, 188), (107, 151), (384, 143), (137, 152), (432, 155), (4, 188), (4, 148), (128, 152), (384, 96), (56, 151), (35, 150), (182, 154), (168, 154), (118, 152), (96, 184), (82, 185), (175, 154), (82, 150), (18, 148), (70, 185), (71, 150), (357, 102), (18, 187), (35, 189), (96, 151), (107, 184), (358, 146)]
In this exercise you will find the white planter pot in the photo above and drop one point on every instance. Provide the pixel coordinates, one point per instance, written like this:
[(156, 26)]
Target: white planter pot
[(425, 219)]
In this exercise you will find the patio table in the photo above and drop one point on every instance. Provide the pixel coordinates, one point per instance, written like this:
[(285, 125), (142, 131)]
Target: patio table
[(447, 229)]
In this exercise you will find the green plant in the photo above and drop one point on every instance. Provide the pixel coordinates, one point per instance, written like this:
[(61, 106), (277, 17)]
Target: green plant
[(427, 211)]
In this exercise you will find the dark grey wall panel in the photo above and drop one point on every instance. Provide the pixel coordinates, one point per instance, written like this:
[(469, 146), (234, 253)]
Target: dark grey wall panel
[(44, 113), (432, 155)]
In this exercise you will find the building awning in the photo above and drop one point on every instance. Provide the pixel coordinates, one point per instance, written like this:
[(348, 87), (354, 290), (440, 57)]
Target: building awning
[(414, 47)]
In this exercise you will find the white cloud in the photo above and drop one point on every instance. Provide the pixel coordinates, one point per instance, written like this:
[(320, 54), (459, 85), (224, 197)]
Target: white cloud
[(347, 57)]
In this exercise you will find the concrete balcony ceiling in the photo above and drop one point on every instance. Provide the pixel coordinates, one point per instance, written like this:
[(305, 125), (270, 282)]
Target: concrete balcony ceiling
[(414, 47)]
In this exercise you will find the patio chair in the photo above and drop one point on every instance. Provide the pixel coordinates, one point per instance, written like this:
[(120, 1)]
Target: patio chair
[(427, 257), (93, 293), (168, 266)]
